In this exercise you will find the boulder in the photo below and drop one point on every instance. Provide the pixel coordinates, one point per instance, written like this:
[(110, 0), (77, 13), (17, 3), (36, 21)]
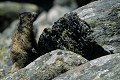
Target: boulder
[(70, 33), (48, 66), (9, 31), (55, 13), (40, 24), (14, 7), (104, 18), (104, 68), (71, 4), (5, 61)]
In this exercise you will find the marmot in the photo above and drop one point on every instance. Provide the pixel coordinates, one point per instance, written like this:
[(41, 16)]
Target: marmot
[(24, 47)]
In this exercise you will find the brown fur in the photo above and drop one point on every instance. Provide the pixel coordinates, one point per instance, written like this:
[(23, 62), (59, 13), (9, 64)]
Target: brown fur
[(24, 48)]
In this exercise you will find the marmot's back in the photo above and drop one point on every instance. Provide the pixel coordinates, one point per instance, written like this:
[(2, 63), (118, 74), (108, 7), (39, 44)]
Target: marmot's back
[(23, 42)]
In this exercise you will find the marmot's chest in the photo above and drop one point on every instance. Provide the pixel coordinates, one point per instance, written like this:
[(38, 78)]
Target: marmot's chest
[(22, 40)]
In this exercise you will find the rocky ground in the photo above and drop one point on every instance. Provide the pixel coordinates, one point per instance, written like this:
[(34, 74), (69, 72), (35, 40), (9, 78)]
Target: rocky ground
[(70, 49)]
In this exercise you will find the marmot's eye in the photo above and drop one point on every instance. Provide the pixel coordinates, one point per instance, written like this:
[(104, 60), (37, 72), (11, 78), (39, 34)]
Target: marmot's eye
[(29, 15), (21, 16)]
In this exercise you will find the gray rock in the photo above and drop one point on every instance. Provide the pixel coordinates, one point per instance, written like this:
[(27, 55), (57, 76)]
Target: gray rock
[(55, 13), (14, 7), (71, 4), (48, 66), (5, 61), (5, 42), (104, 17), (8, 32), (41, 20), (104, 68), (5, 37), (40, 24)]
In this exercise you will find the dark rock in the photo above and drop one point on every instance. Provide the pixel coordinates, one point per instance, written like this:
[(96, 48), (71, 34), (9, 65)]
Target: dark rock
[(63, 35), (70, 33), (104, 68), (104, 17), (48, 66), (83, 2)]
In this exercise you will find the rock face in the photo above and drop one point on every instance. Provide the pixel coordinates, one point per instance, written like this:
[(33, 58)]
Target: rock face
[(104, 68), (70, 33), (104, 17), (55, 13), (49, 66)]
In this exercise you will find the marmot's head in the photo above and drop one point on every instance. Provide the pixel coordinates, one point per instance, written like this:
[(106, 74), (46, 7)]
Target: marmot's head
[(28, 17)]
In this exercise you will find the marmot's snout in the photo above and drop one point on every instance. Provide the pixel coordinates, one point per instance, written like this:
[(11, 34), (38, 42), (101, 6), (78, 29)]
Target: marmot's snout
[(34, 15)]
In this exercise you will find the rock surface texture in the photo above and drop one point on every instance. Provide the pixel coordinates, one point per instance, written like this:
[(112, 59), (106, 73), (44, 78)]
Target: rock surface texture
[(104, 17), (48, 66), (70, 33), (104, 68), (64, 34)]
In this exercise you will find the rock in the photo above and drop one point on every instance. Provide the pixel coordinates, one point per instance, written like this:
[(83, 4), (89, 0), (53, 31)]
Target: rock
[(71, 4), (5, 43), (2, 73), (14, 7), (104, 17), (41, 20), (55, 13), (8, 32), (40, 24), (104, 68), (5, 61), (40, 30), (9, 11), (70, 33), (5, 37), (5, 21), (48, 66)]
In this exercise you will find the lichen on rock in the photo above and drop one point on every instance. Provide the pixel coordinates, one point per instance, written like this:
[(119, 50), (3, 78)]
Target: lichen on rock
[(68, 33), (46, 67)]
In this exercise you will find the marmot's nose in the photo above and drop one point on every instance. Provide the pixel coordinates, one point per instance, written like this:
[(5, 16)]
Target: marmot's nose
[(34, 14)]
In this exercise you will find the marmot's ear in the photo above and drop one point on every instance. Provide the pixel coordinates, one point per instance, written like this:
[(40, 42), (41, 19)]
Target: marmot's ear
[(20, 15)]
